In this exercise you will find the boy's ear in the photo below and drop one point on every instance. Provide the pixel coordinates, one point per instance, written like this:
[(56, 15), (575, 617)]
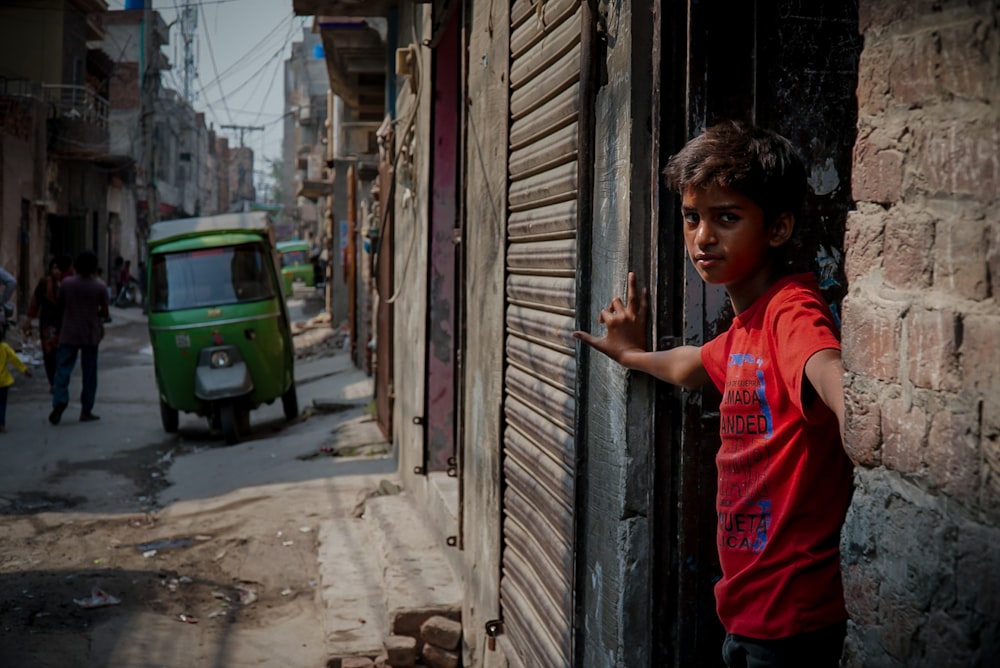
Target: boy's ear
[(782, 228)]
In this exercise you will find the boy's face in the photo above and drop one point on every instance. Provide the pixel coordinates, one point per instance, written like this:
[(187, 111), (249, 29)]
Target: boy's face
[(729, 242)]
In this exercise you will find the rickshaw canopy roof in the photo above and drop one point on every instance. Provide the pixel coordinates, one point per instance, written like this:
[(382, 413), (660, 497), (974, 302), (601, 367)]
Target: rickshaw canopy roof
[(258, 222), (293, 244)]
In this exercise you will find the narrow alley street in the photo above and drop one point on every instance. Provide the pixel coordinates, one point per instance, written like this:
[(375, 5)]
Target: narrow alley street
[(126, 546)]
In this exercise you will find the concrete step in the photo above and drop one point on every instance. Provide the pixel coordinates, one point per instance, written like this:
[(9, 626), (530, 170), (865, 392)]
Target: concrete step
[(350, 589), (442, 514), (418, 582)]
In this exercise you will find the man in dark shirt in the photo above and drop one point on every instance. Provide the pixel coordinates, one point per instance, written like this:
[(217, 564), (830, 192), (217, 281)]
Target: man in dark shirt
[(83, 299)]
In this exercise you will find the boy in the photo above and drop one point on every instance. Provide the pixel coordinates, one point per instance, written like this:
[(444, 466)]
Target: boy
[(784, 481)]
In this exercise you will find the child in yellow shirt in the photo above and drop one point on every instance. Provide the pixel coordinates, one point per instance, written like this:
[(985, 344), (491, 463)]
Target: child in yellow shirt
[(8, 357)]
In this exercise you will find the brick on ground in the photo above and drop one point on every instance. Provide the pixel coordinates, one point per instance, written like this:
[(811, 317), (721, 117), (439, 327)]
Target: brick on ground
[(435, 657), (401, 651), (441, 632)]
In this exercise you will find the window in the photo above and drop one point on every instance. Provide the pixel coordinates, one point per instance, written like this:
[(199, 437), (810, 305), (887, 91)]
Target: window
[(210, 277), (293, 258)]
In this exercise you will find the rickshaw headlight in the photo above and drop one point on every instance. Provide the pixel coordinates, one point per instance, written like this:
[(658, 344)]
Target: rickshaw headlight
[(219, 359)]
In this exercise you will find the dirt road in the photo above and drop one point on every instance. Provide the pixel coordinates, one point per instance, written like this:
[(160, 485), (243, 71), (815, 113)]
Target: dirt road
[(124, 546)]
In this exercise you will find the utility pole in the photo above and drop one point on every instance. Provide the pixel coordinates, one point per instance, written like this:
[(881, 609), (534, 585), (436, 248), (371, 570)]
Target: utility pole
[(147, 110), (189, 29), (242, 129)]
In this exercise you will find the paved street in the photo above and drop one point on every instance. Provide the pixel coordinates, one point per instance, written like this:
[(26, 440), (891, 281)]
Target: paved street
[(207, 553)]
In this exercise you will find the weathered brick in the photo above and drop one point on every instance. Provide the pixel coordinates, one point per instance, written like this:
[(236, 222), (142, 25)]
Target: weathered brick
[(909, 239), (441, 632), (947, 61), (989, 444), (977, 354), (960, 156), (931, 348), (877, 175), (863, 241), (871, 338), (904, 434), (899, 15), (978, 551), (861, 597), (993, 257), (435, 657), (953, 460), (900, 622), (911, 71), (863, 424), (401, 650), (873, 78), (960, 248), (944, 641), (356, 662), (876, 15)]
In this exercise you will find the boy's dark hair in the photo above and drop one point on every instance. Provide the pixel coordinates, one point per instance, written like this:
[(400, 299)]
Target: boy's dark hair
[(757, 163), (86, 263)]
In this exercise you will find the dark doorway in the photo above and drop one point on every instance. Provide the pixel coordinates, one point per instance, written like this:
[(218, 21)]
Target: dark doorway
[(23, 295), (792, 67)]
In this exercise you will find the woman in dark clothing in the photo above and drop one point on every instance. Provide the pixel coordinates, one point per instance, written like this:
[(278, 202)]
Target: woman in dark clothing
[(45, 306)]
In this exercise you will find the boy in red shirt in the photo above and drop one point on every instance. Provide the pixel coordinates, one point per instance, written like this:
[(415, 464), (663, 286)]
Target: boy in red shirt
[(784, 480)]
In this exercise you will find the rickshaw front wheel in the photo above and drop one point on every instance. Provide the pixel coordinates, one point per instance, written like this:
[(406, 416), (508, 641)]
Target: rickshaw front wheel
[(290, 402), (169, 418)]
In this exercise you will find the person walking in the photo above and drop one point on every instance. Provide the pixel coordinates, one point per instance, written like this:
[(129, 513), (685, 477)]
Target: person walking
[(7, 286), (45, 306), (84, 302), (7, 358)]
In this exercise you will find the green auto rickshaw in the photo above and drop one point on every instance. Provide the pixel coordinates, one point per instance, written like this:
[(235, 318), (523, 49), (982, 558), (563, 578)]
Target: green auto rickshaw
[(296, 266), (218, 325)]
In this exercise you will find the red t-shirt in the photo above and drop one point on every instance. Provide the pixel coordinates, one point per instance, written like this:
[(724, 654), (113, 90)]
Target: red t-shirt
[(784, 478)]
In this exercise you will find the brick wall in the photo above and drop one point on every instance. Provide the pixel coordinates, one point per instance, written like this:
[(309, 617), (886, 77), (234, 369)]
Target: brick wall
[(922, 338)]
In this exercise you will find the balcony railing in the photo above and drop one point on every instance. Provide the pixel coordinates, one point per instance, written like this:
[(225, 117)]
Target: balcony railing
[(76, 102)]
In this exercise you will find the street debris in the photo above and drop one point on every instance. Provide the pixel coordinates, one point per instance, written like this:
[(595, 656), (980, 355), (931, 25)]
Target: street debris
[(98, 599), (385, 488), (329, 406), (173, 583), (246, 595), (165, 544), (188, 619)]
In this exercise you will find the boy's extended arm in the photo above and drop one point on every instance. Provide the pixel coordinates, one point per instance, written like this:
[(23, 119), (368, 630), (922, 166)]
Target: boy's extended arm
[(625, 343), (825, 372)]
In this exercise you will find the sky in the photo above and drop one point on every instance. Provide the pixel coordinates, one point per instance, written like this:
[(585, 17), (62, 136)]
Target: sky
[(240, 48)]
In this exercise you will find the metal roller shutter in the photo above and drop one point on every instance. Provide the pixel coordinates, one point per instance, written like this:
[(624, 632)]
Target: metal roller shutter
[(539, 444)]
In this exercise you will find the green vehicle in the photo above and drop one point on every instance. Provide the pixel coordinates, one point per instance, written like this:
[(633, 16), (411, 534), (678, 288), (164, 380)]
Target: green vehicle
[(295, 264), (218, 325)]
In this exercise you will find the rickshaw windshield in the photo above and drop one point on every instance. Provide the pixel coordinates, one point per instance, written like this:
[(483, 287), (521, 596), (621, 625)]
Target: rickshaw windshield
[(210, 277), (292, 258)]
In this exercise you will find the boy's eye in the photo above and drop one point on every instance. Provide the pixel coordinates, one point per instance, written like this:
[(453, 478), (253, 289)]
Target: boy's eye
[(691, 217), (728, 217)]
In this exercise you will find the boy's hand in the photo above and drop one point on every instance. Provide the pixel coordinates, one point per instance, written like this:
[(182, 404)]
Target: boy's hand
[(625, 322)]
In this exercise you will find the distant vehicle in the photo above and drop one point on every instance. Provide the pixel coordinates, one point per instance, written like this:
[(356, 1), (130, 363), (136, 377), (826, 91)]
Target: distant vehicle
[(218, 325), (296, 266)]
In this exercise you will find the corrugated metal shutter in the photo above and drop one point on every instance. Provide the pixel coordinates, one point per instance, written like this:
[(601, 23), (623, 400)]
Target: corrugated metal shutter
[(539, 444)]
